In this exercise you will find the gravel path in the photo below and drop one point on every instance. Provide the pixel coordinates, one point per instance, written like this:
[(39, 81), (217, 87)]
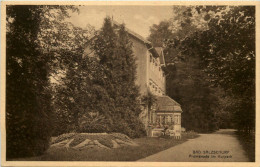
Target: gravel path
[(221, 146)]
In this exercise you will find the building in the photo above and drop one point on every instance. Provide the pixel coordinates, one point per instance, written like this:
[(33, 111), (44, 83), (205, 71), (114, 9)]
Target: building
[(165, 112)]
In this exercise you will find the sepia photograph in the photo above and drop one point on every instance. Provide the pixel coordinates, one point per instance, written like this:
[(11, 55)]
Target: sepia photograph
[(128, 83)]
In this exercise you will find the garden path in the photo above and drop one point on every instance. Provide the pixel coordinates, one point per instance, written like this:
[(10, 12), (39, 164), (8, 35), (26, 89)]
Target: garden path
[(221, 146)]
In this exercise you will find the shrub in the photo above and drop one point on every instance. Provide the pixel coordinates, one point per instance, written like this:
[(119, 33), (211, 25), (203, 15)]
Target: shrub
[(93, 122)]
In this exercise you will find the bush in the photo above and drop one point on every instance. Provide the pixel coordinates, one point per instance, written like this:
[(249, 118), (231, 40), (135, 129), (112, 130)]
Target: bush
[(131, 127), (93, 122), (29, 137)]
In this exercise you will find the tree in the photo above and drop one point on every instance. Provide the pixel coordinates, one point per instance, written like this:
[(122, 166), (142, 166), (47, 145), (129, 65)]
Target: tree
[(224, 49), (187, 84), (185, 80), (159, 33), (71, 74), (114, 50), (227, 51), (79, 99), (28, 93)]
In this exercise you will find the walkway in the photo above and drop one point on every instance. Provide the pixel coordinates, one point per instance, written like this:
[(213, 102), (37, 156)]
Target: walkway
[(221, 146)]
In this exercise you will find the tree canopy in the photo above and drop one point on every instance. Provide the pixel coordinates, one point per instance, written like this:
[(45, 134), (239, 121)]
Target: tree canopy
[(227, 51), (221, 49), (114, 50), (97, 93), (28, 94), (40, 47)]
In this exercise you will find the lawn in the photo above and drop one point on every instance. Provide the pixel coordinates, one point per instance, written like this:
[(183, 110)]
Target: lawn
[(147, 146)]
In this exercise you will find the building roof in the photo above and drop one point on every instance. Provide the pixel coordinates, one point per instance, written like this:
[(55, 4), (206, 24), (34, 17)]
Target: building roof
[(132, 33), (140, 38), (159, 50), (167, 104), (147, 43)]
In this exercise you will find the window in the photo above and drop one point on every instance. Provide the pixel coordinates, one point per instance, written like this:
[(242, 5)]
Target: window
[(169, 119), (159, 68), (151, 58), (164, 119), (177, 119)]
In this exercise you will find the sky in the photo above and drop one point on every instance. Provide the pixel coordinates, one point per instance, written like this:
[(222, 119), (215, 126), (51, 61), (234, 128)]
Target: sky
[(136, 18)]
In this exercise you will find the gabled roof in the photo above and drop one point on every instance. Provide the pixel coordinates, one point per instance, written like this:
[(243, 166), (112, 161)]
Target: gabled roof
[(167, 104), (132, 33), (140, 38)]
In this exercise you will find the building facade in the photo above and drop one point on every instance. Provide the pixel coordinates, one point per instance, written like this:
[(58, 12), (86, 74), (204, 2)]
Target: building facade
[(165, 113), (164, 116)]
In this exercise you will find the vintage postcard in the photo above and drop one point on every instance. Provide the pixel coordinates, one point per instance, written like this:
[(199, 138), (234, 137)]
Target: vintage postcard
[(133, 83)]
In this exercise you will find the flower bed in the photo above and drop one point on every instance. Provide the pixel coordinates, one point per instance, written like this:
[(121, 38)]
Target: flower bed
[(81, 140)]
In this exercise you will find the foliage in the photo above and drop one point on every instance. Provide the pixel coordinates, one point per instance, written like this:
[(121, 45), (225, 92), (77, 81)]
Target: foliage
[(160, 32), (248, 143), (98, 93), (217, 56), (77, 96), (69, 72), (185, 80), (227, 51), (92, 122), (199, 103), (28, 93), (114, 51), (148, 100)]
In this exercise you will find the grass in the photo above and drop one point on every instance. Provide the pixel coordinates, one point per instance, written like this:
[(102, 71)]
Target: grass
[(147, 146), (248, 143)]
